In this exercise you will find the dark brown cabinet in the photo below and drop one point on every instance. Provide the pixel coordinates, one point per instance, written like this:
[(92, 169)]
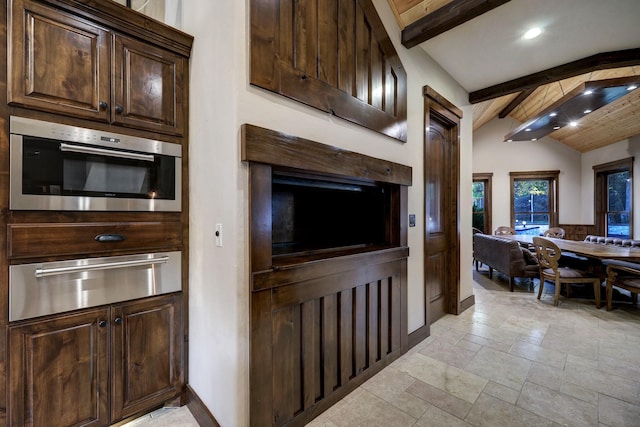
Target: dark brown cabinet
[(96, 367), (62, 63)]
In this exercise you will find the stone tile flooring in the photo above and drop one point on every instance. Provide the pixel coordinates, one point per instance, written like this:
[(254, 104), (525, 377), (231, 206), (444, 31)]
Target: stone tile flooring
[(510, 360)]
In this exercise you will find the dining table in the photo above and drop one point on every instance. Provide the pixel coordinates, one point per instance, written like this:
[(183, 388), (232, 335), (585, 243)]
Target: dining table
[(596, 251)]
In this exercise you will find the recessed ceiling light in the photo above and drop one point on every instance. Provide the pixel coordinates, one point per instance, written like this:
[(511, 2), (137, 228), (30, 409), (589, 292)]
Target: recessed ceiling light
[(632, 87), (527, 130), (553, 114), (534, 139), (587, 111), (509, 140), (556, 127), (532, 33), (573, 124), (588, 92)]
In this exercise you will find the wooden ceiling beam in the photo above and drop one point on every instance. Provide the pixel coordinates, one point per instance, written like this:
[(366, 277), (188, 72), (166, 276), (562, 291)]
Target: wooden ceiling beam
[(445, 18), (600, 61), (515, 102)]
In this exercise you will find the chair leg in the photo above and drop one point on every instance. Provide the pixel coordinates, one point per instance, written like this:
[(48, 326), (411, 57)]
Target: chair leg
[(556, 298), (512, 282), (609, 296), (540, 287), (596, 292), (634, 298)]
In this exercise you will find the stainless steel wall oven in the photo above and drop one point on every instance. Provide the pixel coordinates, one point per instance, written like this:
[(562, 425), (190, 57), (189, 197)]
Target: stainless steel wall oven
[(60, 167)]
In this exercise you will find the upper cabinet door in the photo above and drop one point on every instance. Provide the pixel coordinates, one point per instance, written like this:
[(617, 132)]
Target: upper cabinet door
[(148, 87), (58, 62)]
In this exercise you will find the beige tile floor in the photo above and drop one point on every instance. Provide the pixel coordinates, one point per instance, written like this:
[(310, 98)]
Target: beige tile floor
[(510, 360)]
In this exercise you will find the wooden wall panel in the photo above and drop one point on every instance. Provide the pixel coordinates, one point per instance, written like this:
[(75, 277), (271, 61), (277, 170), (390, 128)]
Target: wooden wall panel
[(325, 343), (334, 55)]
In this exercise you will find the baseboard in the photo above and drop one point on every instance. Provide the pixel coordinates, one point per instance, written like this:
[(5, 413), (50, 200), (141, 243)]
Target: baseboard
[(199, 410), (467, 303), (417, 336)]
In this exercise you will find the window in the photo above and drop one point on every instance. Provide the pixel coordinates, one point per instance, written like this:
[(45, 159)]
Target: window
[(481, 193), (613, 198), (534, 201)]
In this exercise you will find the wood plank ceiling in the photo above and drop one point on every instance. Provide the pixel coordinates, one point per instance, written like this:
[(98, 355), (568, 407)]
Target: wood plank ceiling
[(615, 122)]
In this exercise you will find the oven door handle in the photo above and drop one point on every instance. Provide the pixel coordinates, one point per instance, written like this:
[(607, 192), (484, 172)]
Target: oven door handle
[(104, 152), (42, 272)]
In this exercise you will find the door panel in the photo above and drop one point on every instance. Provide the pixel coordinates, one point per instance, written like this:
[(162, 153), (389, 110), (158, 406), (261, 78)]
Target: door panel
[(437, 196)]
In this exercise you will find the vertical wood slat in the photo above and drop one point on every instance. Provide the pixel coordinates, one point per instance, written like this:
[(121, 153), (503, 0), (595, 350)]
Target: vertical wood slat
[(377, 75), (346, 46), (372, 323), (317, 345), (283, 365), (306, 36), (308, 354), (346, 336), (328, 41), (297, 391), (363, 56), (396, 330), (330, 343), (287, 38), (391, 90), (385, 308), (360, 329)]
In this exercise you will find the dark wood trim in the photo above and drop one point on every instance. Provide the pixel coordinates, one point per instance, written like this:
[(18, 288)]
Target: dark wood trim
[(445, 18), (419, 335), (436, 105), (600, 61), (262, 145), (129, 21), (515, 102), (600, 189), (198, 409), (467, 303), (429, 92), (554, 203), (488, 197)]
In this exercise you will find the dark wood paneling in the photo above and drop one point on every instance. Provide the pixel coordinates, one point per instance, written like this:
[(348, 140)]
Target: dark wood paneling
[(308, 51), (262, 145), (199, 410), (55, 239), (578, 231), (325, 336)]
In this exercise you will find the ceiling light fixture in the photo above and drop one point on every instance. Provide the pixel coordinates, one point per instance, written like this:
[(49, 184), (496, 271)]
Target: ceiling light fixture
[(564, 111), (532, 33)]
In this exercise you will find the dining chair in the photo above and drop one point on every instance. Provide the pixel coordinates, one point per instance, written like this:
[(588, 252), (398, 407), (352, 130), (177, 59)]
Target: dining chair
[(622, 274), (503, 229), (555, 232), (548, 254)]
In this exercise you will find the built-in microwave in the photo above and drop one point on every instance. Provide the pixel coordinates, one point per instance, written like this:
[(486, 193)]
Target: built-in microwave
[(60, 167)]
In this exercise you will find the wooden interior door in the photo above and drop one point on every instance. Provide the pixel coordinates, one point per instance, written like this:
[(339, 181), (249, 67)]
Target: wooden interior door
[(441, 262)]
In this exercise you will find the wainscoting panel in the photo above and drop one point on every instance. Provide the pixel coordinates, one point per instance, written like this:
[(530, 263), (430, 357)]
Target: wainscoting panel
[(325, 334)]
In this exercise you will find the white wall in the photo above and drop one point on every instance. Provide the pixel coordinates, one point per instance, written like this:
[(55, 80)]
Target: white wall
[(491, 154), (221, 101)]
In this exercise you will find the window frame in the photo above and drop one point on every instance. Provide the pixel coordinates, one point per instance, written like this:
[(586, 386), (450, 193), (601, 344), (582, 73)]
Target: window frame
[(601, 174), (553, 177), (486, 179)]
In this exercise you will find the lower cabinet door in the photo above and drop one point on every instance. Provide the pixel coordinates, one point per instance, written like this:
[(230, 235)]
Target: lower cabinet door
[(58, 371), (147, 354)]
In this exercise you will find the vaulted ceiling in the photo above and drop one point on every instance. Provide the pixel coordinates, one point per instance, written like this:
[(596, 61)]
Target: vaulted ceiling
[(479, 43)]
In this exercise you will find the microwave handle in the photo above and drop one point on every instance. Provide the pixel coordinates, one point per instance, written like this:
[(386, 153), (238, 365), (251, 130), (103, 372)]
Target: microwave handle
[(41, 272), (105, 152)]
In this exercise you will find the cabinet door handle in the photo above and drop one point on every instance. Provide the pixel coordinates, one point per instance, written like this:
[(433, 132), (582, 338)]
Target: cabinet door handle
[(102, 323), (103, 105), (119, 109), (118, 321)]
